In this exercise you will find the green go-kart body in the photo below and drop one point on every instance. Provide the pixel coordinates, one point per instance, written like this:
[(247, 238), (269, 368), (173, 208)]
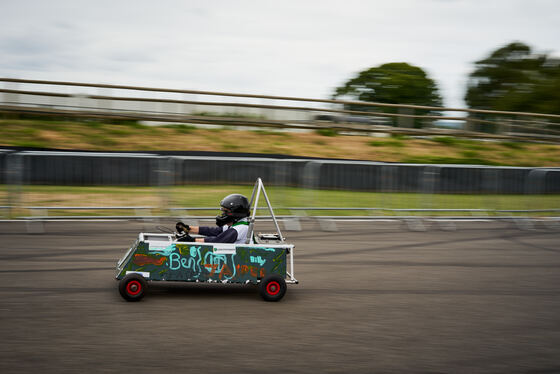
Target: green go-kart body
[(157, 257)]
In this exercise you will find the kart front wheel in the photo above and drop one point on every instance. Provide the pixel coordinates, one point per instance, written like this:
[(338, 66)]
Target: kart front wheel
[(273, 288), (133, 287)]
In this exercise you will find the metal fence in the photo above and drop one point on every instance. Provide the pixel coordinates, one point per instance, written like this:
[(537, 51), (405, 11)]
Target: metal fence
[(64, 168), (88, 100), (55, 185)]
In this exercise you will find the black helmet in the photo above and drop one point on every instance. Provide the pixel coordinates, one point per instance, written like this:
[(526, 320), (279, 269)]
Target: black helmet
[(234, 207)]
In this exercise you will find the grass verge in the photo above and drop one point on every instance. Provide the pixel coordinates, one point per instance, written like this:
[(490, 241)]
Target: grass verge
[(281, 198)]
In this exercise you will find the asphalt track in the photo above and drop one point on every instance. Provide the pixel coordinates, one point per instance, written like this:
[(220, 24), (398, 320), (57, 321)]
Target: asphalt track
[(373, 297)]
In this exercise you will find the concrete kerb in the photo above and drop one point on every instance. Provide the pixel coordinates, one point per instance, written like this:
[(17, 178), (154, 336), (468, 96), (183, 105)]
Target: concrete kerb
[(38, 225)]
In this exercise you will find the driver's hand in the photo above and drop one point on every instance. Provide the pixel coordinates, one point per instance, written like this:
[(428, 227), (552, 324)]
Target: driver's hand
[(185, 238), (180, 227)]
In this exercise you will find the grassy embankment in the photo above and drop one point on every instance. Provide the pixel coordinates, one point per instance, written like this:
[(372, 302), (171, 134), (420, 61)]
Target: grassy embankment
[(132, 136)]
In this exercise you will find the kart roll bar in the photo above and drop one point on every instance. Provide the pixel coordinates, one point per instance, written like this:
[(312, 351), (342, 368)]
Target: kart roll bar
[(259, 186)]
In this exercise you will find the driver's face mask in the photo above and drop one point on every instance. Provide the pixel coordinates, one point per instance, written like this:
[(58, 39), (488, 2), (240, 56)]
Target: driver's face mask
[(224, 218)]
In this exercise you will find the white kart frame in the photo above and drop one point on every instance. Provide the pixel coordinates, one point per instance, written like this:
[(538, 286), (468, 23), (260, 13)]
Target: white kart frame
[(257, 189)]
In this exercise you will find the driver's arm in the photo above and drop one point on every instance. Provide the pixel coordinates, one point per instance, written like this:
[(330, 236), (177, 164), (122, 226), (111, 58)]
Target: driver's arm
[(194, 230)]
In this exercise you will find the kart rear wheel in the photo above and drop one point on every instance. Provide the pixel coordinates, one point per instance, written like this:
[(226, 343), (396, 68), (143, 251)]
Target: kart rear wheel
[(133, 287), (273, 288)]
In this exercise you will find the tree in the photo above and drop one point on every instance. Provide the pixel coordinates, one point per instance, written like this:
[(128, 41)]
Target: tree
[(393, 83), (513, 78)]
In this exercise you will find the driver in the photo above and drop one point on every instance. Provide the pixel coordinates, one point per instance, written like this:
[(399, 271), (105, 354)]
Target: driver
[(232, 224)]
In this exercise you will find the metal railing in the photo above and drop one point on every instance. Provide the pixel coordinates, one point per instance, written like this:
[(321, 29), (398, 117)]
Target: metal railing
[(83, 100)]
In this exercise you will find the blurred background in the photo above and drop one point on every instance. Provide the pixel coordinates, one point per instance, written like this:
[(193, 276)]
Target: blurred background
[(411, 149), (135, 110)]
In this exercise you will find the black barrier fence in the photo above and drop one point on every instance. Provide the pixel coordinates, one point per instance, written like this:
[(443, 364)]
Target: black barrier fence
[(277, 172), (39, 184), (449, 178), (84, 170), (130, 169)]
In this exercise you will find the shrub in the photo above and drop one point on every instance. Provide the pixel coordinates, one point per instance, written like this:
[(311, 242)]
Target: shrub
[(470, 154), (400, 136), (513, 145), (446, 140), (386, 143), (182, 128), (327, 132)]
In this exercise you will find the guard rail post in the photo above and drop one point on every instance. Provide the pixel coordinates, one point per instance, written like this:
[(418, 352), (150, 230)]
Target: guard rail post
[(163, 181), (312, 183), (424, 191), (306, 181), (5, 208), (387, 190), (431, 179), (490, 190), (282, 170), (533, 186), (554, 221), (536, 185), (14, 181)]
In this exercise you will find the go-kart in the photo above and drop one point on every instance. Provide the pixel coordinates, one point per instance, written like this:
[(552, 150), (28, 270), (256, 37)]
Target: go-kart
[(267, 262)]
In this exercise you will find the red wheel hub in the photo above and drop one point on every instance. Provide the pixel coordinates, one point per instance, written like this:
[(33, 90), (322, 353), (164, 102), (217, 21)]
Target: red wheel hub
[(273, 288), (133, 288)]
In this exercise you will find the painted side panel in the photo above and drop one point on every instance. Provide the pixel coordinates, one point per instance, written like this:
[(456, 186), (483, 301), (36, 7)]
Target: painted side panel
[(204, 262)]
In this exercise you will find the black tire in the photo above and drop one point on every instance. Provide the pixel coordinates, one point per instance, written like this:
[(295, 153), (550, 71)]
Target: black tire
[(273, 288), (133, 287)]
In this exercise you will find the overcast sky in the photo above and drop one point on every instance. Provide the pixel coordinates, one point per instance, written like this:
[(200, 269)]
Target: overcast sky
[(290, 47)]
